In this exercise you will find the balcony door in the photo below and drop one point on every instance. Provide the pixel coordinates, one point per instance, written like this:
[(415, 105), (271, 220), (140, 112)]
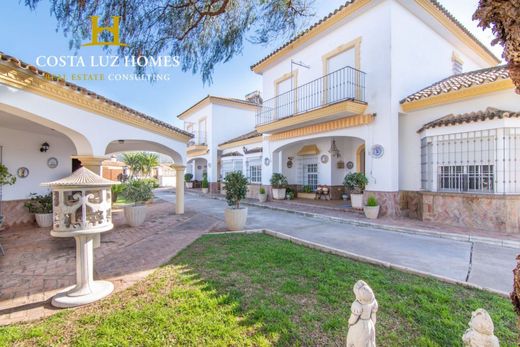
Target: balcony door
[(339, 83), (285, 103)]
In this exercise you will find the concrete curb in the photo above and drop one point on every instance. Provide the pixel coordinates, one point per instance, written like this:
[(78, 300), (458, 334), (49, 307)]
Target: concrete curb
[(361, 258), (407, 230)]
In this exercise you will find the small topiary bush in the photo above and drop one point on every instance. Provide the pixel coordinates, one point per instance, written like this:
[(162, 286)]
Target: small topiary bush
[(188, 177), (278, 181), (355, 182), (372, 201), (261, 190), (137, 191), (205, 183), (40, 204), (236, 188)]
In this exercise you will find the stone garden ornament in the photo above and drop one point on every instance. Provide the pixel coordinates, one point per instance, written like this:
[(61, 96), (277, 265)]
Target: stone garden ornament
[(362, 321), (481, 331)]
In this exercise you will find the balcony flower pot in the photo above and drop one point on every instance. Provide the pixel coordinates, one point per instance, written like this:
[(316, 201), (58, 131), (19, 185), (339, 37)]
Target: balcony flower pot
[(356, 201), (235, 218), (278, 193), (262, 197), (135, 215), (44, 220)]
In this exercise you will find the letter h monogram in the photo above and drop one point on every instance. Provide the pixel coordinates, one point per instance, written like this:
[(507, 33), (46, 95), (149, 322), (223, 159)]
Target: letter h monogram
[(97, 30)]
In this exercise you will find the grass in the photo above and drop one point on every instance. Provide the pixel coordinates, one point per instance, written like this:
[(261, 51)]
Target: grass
[(245, 290)]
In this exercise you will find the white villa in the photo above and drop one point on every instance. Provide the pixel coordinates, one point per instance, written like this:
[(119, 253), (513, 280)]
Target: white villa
[(49, 127), (396, 89)]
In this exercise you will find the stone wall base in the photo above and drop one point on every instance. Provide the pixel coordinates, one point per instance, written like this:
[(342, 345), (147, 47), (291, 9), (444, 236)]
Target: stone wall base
[(15, 213), (389, 202)]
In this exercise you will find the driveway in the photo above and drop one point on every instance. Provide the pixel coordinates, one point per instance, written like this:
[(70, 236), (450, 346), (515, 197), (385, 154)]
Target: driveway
[(485, 265)]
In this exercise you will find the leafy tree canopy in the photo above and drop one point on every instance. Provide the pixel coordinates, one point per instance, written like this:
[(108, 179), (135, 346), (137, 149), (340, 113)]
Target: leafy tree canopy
[(201, 33)]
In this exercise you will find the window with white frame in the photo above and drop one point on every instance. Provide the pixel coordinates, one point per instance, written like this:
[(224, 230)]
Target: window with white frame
[(230, 165), (254, 169), (308, 171), (485, 161)]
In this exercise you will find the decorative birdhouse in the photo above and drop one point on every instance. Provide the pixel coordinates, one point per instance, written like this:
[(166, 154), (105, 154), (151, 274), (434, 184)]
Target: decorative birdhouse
[(82, 208)]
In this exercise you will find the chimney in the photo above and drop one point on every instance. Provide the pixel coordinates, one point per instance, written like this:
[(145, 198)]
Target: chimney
[(254, 97)]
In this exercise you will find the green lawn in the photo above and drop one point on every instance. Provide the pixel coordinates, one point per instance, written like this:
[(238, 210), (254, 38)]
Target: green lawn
[(258, 290)]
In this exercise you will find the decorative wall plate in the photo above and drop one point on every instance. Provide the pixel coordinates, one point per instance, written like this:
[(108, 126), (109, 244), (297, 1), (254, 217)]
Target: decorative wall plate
[(22, 172), (289, 164), (350, 165), (52, 163), (199, 167), (324, 159), (267, 161), (377, 151)]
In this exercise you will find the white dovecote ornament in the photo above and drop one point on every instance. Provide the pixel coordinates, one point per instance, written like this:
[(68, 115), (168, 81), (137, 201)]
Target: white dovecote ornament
[(481, 331), (362, 321), (82, 208)]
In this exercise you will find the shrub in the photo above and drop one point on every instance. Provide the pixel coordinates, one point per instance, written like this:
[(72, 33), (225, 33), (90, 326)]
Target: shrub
[(236, 188), (261, 190), (372, 201), (188, 177), (6, 178), (137, 191), (278, 181), (307, 189), (39, 203), (355, 182), (117, 189), (289, 193), (153, 182), (205, 183)]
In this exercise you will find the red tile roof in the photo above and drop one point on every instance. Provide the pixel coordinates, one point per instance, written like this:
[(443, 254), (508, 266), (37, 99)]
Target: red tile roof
[(460, 81), (247, 136), (479, 116)]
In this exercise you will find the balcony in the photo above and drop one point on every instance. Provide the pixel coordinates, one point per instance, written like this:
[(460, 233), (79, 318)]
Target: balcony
[(198, 145), (338, 94)]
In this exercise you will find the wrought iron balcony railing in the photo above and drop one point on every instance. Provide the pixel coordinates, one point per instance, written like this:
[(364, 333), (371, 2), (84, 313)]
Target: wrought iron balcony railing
[(344, 84), (199, 139)]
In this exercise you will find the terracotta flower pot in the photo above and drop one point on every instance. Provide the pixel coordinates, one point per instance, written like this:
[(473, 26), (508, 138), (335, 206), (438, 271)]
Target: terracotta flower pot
[(44, 220), (371, 212), (279, 193), (135, 215), (236, 218)]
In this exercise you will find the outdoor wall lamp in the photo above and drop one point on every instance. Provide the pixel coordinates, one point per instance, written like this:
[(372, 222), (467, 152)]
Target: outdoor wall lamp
[(45, 147)]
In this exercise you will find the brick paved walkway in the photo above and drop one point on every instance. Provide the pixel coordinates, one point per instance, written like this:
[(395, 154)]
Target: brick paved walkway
[(36, 265)]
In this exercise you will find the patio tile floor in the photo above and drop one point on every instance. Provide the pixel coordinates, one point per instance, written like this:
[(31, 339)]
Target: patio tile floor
[(36, 265)]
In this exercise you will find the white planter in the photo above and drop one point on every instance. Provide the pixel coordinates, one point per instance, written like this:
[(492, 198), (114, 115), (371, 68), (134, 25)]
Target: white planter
[(235, 218), (371, 211), (205, 190), (262, 197), (356, 201), (189, 185), (344, 196), (278, 193), (135, 215), (44, 220), (310, 196)]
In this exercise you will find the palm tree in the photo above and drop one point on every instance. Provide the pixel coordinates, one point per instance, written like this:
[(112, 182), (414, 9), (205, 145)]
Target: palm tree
[(149, 161), (134, 162), (503, 17)]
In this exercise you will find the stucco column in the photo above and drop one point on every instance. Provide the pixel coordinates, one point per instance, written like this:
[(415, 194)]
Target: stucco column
[(179, 188)]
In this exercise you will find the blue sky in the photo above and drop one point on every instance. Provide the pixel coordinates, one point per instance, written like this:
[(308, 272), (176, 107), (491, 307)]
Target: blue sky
[(28, 34)]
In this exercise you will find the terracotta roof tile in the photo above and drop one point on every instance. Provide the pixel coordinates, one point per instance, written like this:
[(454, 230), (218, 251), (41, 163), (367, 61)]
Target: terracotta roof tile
[(17, 63), (348, 3), (232, 154), (247, 136), (460, 81), (479, 116)]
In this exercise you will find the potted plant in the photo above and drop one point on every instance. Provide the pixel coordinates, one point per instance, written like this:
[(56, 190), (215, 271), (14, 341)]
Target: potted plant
[(116, 191), (136, 193), (279, 185), (262, 195), (187, 178), (306, 193), (289, 194), (41, 206), (371, 209), (236, 189), (356, 182), (6, 179), (205, 184)]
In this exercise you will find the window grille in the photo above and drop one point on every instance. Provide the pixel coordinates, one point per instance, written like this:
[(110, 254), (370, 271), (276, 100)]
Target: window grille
[(230, 165), (254, 169), (308, 171), (484, 161)]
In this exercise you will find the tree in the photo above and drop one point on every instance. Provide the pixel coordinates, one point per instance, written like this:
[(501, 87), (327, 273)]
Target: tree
[(503, 17), (148, 162), (201, 33), (134, 163)]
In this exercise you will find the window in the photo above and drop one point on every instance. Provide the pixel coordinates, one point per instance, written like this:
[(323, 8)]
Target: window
[(230, 165), (457, 64), (254, 169)]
